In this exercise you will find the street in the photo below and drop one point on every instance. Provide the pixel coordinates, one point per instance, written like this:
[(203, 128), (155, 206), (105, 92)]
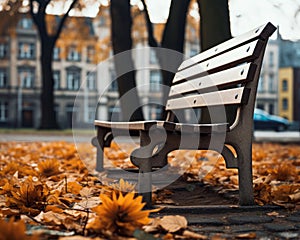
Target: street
[(272, 136), (259, 136)]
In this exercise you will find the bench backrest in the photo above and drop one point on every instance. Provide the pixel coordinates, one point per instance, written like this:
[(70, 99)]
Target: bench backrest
[(226, 74)]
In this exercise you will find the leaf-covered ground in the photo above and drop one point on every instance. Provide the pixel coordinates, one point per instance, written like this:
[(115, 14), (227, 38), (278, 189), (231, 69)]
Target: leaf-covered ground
[(47, 187)]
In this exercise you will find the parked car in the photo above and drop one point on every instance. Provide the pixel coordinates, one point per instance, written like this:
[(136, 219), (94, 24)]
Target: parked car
[(266, 121)]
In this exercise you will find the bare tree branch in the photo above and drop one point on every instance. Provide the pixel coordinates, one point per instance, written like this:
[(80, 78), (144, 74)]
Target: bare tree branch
[(62, 21), (151, 39)]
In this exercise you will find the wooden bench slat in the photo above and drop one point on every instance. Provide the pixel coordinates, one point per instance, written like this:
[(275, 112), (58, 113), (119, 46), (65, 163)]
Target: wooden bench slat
[(138, 125), (232, 76), (202, 128), (223, 97), (236, 56), (262, 32)]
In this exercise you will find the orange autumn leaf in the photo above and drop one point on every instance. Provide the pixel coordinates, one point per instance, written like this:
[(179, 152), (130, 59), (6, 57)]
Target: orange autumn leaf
[(74, 187), (122, 214), (30, 197), (49, 167), (14, 230)]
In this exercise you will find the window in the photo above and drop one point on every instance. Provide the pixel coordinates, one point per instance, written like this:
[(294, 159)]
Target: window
[(271, 82), (3, 77), (91, 114), (153, 58), (26, 50), (114, 84), (3, 50), (73, 54), (26, 76), (260, 87), (56, 54), (3, 111), (91, 80), (155, 81), (154, 112), (284, 85), (260, 106), (102, 21), (26, 23), (56, 78), (285, 104), (193, 52), (271, 108), (271, 59), (90, 54), (73, 78)]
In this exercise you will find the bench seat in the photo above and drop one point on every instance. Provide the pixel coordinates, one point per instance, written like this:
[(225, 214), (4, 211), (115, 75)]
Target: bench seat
[(168, 126)]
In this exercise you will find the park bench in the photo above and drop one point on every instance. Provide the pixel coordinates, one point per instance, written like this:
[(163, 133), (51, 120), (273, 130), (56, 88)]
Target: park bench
[(225, 76)]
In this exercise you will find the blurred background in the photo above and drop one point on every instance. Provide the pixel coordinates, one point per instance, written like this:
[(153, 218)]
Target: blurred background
[(50, 50)]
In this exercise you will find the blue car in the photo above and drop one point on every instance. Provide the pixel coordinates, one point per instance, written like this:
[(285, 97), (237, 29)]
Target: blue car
[(266, 121)]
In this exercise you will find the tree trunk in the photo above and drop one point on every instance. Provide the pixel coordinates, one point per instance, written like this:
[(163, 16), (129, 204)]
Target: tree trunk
[(214, 29), (174, 35), (121, 24), (214, 22), (48, 117), (173, 38)]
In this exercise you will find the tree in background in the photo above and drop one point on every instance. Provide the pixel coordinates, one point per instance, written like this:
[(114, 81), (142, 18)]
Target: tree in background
[(121, 24), (173, 38), (48, 41), (214, 29)]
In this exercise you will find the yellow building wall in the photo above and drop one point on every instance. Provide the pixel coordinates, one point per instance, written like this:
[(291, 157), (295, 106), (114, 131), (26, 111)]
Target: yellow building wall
[(286, 74)]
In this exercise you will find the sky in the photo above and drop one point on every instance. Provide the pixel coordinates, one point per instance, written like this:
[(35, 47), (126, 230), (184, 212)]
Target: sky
[(245, 15), (248, 14)]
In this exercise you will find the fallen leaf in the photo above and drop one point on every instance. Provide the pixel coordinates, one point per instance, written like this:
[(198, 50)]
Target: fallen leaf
[(251, 235), (190, 234), (173, 223)]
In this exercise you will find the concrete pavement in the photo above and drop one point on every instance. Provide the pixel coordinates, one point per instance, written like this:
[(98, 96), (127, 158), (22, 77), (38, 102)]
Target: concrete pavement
[(259, 136)]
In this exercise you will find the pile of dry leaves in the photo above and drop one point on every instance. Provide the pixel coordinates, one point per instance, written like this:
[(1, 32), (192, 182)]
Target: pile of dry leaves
[(47, 186)]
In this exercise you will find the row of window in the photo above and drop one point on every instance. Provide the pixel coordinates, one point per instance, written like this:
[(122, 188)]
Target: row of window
[(154, 111), (3, 111), (284, 84), (4, 108), (27, 78), (27, 50), (155, 81)]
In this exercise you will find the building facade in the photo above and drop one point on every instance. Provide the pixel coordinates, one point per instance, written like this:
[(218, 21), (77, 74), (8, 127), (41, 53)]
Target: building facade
[(289, 79), (20, 76), (289, 93), (85, 80), (267, 92)]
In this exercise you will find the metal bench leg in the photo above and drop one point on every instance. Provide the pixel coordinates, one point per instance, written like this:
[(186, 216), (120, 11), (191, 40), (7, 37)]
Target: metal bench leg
[(100, 142), (145, 182), (245, 174)]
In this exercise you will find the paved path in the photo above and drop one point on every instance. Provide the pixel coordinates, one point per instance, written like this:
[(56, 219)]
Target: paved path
[(259, 136), (234, 222), (283, 137)]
